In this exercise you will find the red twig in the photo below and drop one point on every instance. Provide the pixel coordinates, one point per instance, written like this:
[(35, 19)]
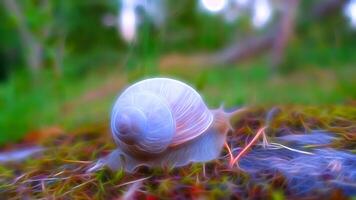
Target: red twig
[(259, 133), (229, 151)]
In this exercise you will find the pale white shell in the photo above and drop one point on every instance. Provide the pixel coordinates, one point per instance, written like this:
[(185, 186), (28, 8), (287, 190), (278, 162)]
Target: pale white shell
[(191, 116), (142, 121)]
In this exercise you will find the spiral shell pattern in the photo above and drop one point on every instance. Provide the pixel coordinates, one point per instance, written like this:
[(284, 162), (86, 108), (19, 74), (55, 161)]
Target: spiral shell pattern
[(189, 116)]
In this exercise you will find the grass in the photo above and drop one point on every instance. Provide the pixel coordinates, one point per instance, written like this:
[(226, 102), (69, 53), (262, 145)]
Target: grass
[(74, 102), (27, 106)]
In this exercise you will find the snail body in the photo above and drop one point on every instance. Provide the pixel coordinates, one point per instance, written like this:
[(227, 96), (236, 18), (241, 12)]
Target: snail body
[(165, 122)]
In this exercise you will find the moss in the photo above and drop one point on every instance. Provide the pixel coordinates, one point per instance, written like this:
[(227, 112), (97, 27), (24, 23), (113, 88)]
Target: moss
[(60, 171)]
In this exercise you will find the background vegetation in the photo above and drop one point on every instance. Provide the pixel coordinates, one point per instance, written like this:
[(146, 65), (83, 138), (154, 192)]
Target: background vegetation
[(61, 66)]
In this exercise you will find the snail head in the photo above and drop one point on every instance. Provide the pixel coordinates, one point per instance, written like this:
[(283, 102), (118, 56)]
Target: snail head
[(222, 119)]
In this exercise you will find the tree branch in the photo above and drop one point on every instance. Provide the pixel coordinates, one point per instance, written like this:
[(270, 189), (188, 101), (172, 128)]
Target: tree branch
[(33, 48), (275, 41)]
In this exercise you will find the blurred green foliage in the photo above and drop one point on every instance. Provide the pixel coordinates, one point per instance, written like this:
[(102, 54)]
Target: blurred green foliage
[(318, 67)]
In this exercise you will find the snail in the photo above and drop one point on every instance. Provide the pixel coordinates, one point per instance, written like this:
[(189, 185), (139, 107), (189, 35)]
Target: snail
[(165, 122)]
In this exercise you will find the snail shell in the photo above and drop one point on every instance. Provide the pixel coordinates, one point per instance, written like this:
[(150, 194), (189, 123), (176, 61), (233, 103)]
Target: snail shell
[(157, 113), (161, 121)]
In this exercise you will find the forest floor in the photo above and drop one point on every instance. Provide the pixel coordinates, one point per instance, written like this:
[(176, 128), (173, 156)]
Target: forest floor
[(57, 166), (70, 133)]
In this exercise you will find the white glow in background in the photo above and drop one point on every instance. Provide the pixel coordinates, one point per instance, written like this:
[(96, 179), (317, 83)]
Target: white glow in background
[(262, 13), (350, 12), (127, 24), (242, 3), (214, 6)]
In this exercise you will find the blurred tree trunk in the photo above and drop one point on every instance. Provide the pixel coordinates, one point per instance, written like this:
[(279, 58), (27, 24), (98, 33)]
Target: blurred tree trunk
[(33, 48), (274, 42), (249, 47), (285, 31), (277, 40)]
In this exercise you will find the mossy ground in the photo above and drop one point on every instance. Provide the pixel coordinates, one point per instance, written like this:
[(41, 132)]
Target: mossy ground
[(60, 172)]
